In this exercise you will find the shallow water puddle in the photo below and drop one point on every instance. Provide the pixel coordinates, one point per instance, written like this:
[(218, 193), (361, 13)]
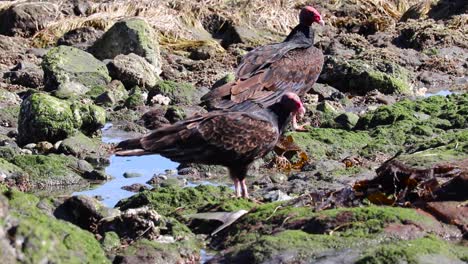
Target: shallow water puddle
[(441, 92), (147, 166)]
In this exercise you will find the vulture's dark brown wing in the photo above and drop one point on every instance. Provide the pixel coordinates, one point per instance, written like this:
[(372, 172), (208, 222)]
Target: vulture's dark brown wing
[(216, 138), (296, 71)]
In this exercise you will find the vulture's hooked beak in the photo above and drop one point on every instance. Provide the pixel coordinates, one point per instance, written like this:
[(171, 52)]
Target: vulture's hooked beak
[(321, 22)]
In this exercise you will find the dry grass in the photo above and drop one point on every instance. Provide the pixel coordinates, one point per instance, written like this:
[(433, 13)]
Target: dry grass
[(182, 19)]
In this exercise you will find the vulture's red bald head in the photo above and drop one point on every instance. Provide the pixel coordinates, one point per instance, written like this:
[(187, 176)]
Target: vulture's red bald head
[(310, 15), (293, 103)]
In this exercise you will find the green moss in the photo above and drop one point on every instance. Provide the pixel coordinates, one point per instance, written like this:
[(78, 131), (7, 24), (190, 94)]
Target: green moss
[(360, 76), (179, 93), (304, 246), (46, 118), (44, 237), (411, 251), (135, 98), (8, 168), (370, 220), (9, 114), (110, 241), (328, 142), (166, 200), (68, 64), (95, 91), (49, 170)]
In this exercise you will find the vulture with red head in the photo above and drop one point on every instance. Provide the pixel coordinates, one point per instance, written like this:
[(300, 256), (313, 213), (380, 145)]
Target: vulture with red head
[(231, 138), (268, 72)]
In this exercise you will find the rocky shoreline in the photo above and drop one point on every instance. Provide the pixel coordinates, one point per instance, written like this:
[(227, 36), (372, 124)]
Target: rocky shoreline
[(379, 177)]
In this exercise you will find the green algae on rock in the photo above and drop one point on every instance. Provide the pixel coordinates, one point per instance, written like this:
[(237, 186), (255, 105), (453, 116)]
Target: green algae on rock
[(179, 93), (130, 35), (46, 118), (65, 64), (50, 170), (135, 98), (166, 200), (359, 77), (39, 237)]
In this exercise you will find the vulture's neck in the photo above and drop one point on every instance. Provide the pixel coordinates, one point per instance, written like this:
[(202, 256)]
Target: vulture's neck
[(280, 116), (301, 34)]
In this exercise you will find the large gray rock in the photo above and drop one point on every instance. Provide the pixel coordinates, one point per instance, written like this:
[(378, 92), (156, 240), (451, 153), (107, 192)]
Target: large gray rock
[(133, 70), (46, 118), (131, 35), (25, 19), (64, 65)]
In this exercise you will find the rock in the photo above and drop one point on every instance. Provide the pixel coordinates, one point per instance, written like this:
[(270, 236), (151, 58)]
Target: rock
[(275, 196), (159, 252), (84, 211), (132, 174), (174, 114), (204, 52), (135, 223), (135, 98), (26, 74), (326, 92), (179, 93), (136, 187), (133, 70), (81, 38), (65, 64), (83, 147), (154, 118), (25, 19), (46, 118), (37, 236), (347, 120), (97, 175), (44, 147), (50, 170), (160, 99), (451, 212), (359, 77), (110, 241), (114, 94), (70, 90), (131, 35), (278, 177), (226, 79)]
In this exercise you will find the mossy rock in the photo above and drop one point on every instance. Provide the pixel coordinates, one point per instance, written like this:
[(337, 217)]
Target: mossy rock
[(46, 118), (331, 143), (133, 70), (423, 250), (65, 64), (82, 147), (359, 76), (9, 115), (165, 200), (135, 98), (41, 237), (146, 251), (8, 169), (50, 170), (179, 93), (130, 35)]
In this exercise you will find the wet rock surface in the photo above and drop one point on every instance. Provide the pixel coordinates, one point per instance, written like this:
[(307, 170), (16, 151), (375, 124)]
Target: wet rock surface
[(380, 175)]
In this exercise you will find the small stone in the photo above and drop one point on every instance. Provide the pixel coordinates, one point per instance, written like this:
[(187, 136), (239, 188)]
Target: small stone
[(44, 147), (132, 174), (136, 187), (30, 146), (278, 177), (347, 120)]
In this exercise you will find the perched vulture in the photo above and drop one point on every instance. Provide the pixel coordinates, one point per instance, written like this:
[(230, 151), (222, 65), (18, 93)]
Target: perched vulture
[(225, 137), (267, 72)]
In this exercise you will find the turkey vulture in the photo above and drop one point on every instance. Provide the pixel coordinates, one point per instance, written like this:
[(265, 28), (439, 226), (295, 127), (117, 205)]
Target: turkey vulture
[(267, 72), (225, 137)]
